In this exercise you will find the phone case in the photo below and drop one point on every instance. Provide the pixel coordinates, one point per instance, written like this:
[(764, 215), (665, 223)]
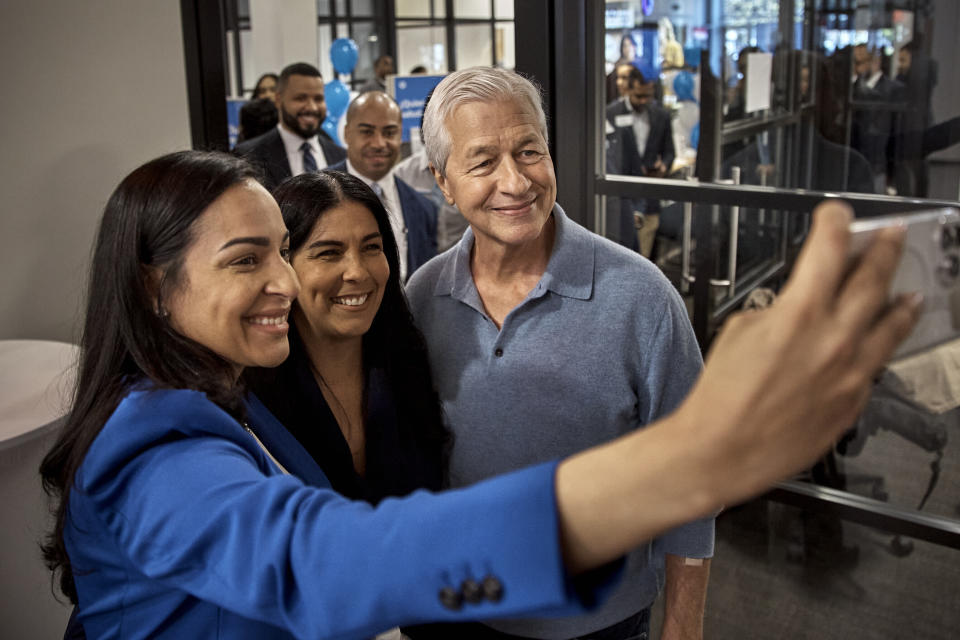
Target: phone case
[(930, 265)]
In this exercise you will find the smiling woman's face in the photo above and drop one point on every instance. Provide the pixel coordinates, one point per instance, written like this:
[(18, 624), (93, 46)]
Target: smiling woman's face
[(236, 285), (343, 272)]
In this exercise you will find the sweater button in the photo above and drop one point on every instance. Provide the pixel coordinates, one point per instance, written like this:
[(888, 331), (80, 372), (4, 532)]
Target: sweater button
[(498, 352)]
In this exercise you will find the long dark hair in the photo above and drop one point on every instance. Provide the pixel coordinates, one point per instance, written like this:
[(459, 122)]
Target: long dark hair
[(393, 342), (256, 88), (127, 338)]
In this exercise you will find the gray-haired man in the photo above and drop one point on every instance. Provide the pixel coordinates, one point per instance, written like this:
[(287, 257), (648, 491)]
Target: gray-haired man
[(546, 339)]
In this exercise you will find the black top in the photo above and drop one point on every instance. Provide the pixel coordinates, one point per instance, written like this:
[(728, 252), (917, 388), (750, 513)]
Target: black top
[(397, 462)]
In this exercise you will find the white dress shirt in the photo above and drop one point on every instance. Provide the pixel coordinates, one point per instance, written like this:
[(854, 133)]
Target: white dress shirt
[(292, 143), (391, 202)]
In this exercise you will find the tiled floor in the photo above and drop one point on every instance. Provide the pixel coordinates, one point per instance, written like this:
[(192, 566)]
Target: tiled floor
[(780, 573)]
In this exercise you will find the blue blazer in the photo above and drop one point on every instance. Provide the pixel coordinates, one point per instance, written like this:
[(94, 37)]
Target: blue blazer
[(180, 526), (420, 216)]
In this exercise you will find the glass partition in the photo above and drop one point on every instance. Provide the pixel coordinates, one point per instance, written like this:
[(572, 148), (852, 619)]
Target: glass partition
[(825, 96), (829, 95), (720, 125)]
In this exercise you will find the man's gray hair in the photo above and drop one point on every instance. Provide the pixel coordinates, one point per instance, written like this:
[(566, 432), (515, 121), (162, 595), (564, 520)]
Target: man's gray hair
[(476, 84)]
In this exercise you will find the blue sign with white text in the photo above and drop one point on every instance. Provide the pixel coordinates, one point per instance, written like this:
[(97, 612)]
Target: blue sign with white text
[(410, 92)]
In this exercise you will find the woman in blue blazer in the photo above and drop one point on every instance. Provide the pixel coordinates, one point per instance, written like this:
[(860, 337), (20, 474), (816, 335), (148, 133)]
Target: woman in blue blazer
[(177, 517)]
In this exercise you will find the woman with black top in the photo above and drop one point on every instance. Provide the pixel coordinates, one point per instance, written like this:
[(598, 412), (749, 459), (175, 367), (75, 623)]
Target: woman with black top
[(356, 390)]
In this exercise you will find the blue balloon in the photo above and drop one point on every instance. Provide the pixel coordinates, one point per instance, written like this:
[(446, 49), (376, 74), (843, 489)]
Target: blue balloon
[(695, 136), (691, 55), (343, 54), (330, 128), (337, 96), (683, 86), (650, 72)]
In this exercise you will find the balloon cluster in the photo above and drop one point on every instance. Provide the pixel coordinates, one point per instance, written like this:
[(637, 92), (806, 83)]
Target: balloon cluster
[(343, 54)]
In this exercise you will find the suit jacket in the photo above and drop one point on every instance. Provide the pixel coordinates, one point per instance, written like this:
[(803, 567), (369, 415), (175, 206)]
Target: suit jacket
[(659, 141), (660, 138), (268, 153), (182, 526), (872, 123), (420, 217)]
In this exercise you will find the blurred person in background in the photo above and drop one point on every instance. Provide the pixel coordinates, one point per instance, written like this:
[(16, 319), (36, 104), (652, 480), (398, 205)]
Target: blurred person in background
[(266, 86), (872, 124), (382, 67), (257, 117), (652, 131)]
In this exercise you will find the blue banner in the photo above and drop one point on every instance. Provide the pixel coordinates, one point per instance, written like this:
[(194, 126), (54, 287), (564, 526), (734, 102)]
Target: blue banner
[(233, 119), (410, 92)]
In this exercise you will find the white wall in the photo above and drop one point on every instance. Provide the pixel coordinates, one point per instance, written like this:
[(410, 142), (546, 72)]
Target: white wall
[(281, 33), (92, 89)]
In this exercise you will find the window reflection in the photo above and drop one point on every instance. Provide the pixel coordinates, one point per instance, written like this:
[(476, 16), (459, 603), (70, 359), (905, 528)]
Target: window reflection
[(421, 45), (818, 95)]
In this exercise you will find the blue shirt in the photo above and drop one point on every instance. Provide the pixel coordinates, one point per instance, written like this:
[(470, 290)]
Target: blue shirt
[(601, 346)]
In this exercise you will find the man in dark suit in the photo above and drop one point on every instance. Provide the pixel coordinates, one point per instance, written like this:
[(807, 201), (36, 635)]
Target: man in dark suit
[(917, 73), (372, 133), (652, 132), (872, 124), (297, 144)]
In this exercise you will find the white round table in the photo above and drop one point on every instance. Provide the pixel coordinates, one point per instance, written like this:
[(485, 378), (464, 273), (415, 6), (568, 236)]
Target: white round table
[(36, 380)]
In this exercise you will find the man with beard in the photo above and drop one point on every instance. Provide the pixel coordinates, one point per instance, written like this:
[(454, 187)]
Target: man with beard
[(297, 144), (373, 132)]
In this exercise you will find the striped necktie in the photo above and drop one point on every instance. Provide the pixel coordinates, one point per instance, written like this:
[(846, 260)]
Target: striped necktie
[(309, 162), (377, 189)]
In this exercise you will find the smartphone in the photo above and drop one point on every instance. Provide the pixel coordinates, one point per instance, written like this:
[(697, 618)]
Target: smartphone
[(930, 265)]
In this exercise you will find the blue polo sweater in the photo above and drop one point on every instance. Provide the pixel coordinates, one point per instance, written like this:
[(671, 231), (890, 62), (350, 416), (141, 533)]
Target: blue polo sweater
[(601, 346)]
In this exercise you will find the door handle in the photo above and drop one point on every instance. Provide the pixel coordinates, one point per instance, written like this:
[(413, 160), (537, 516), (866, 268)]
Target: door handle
[(731, 280)]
